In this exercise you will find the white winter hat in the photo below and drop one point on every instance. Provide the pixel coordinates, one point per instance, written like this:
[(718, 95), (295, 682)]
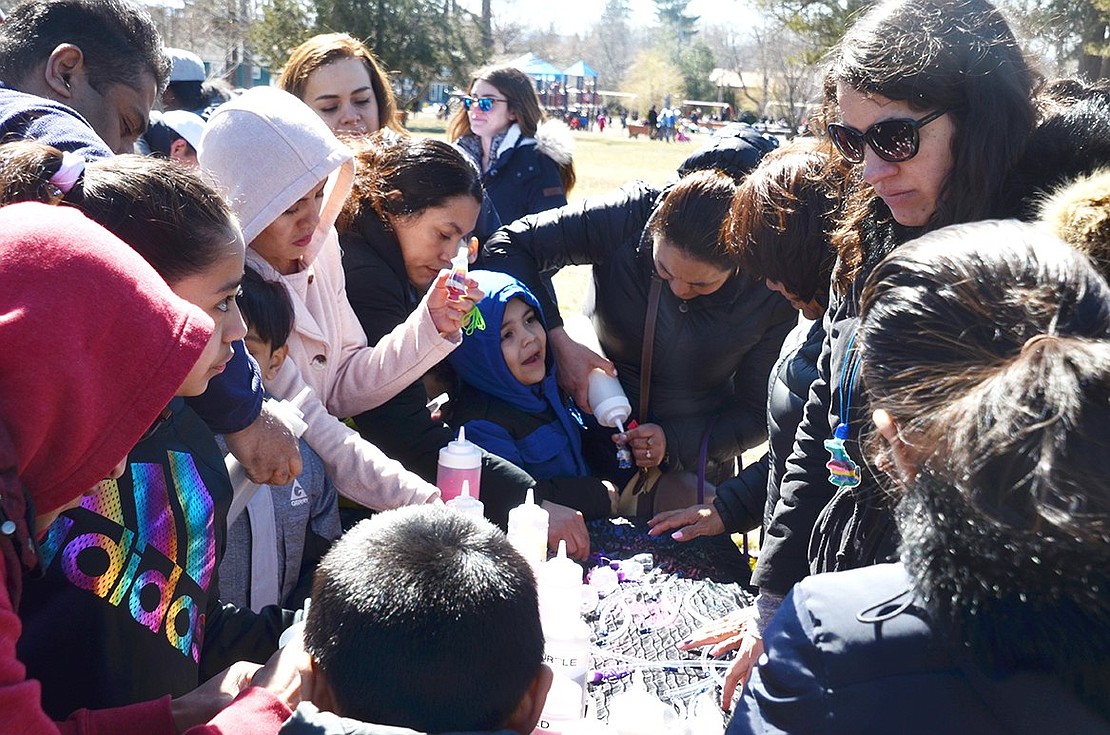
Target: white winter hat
[(187, 66), (188, 125)]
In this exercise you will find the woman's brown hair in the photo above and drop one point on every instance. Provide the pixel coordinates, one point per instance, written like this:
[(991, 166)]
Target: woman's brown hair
[(328, 48)]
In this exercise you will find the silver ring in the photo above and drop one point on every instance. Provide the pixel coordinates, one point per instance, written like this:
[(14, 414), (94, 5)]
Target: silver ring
[(648, 454)]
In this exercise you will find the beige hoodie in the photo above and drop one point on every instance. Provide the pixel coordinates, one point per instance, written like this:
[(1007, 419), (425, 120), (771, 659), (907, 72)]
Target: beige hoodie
[(267, 149)]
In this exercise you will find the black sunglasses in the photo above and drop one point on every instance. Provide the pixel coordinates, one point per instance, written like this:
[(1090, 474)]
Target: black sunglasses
[(892, 140), (485, 104)]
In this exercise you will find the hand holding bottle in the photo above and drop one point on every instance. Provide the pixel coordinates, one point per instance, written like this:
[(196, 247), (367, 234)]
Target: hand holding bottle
[(447, 311), (648, 443)]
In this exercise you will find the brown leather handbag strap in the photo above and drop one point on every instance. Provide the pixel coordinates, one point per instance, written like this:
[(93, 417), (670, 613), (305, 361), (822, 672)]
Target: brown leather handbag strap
[(654, 293)]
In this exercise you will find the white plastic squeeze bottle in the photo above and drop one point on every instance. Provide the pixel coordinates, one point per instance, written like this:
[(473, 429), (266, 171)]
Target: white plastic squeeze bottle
[(460, 461), (566, 635), (528, 530), (611, 408), (467, 504)]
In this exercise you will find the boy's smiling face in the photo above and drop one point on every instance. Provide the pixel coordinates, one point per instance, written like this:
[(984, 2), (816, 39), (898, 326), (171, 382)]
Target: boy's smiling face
[(524, 342)]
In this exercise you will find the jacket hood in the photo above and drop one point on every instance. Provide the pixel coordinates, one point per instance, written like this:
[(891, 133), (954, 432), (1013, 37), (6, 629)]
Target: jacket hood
[(478, 359), (95, 346), (735, 149), (1079, 213), (553, 139), (267, 149)]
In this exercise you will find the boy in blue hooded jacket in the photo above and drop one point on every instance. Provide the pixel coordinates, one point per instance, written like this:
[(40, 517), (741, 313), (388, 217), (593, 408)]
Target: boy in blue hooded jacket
[(508, 400)]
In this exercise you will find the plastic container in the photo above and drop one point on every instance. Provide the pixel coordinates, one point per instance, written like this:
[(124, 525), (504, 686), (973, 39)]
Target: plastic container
[(456, 282), (636, 712), (528, 530), (460, 461), (289, 411), (607, 399), (467, 504), (566, 635), (559, 580)]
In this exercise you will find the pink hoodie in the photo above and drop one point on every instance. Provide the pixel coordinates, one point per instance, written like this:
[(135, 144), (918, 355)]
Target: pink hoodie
[(267, 149)]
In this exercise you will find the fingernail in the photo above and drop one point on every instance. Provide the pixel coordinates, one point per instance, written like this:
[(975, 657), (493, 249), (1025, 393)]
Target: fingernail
[(677, 535)]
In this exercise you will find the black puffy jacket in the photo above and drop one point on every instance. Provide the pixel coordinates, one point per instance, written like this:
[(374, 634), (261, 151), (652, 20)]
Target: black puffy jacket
[(748, 500), (712, 354)]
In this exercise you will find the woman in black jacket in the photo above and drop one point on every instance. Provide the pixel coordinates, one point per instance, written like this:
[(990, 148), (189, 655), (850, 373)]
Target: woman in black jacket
[(779, 223), (717, 329)]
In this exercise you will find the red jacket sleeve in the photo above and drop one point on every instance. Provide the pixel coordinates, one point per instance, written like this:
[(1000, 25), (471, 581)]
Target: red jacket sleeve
[(254, 712)]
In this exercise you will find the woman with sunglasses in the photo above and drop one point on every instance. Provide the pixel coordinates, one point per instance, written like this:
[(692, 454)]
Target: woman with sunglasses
[(525, 159), (984, 346), (935, 106)]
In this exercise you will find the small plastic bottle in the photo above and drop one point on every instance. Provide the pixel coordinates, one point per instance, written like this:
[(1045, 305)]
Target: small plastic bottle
[(466, 504), (456, 282), (289, 411), (460, 461), (611, 408), (528, 530)]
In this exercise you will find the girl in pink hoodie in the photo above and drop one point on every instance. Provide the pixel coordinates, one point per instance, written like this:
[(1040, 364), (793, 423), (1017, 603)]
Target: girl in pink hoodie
[(287, 177)]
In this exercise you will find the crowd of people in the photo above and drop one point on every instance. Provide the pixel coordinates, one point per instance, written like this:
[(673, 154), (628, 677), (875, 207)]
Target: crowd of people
[(910, 310)]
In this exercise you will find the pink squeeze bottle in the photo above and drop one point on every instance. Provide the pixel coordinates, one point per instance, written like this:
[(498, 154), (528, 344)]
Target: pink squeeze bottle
[(459, 460)]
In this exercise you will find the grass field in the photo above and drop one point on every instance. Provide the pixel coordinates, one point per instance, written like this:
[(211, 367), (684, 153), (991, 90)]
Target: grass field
[(602, 162)]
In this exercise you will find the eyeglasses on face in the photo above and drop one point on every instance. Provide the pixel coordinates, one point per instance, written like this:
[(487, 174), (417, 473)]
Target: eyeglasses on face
[(485, 104), (892, 140)]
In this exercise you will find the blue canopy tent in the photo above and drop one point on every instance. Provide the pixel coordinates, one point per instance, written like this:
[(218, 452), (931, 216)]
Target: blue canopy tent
[(549, 80), (581, 85)]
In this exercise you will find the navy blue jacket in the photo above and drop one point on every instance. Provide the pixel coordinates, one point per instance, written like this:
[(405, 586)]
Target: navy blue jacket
[(855, 653), (522, 180)]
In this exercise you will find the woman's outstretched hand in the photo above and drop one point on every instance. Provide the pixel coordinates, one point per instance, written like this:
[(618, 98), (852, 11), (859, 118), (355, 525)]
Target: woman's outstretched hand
[(738, 632), (692, 522)]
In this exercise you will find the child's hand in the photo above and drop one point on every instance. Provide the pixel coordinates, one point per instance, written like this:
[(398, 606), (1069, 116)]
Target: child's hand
[(448, 312), (648, 443)]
